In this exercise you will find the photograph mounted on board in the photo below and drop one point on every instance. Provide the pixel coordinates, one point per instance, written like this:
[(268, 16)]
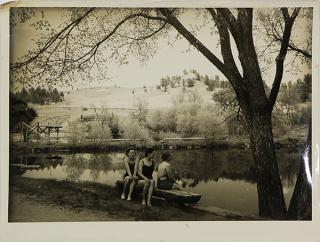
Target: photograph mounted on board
[(160, 114)]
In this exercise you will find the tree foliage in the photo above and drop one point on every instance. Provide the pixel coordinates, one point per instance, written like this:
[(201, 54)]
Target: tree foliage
[(107, 121), (20, 111), (271, 26), (40, 95), (76, 132), (140, 114), (98, 133), (133, 131)]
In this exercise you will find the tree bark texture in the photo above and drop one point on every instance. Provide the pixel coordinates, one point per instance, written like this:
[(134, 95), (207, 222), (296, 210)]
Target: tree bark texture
[(270, 194), (300, 207)]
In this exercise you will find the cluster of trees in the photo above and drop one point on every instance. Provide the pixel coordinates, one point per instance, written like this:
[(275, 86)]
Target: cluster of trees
[(104, 128), (175, 81), (186, 119), (189, 117), (292, 108), (188, 80), (293, 103), (40, 95), (182, 120), (20, 111)]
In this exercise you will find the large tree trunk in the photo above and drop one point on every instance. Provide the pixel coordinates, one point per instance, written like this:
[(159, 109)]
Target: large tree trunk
[(301, 202), (250, 92), (270, 193)]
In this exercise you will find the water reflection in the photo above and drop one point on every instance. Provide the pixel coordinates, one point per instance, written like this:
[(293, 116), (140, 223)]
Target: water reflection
[(211, 166), (225, 178), (76, 164)]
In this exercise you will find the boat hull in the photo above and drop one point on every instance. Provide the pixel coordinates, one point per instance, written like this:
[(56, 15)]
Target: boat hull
[(170, 195)]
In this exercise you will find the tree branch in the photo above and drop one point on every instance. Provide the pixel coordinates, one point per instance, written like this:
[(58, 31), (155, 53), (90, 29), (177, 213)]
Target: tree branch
[(305, 53), (231, 21), (234, 75), (171, 19), (52, 40), (241, 29), (289, 20), (68, 62), (293, 47), (92, 52), (225, 42), (146, 36)]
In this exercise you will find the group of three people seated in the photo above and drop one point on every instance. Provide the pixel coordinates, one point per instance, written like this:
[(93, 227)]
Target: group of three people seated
[(141, 173)]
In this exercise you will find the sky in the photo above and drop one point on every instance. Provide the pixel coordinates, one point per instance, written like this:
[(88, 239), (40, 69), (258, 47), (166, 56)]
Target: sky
[(169, 59)]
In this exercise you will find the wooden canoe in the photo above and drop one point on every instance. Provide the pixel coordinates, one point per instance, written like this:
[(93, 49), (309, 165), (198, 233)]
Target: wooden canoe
[(170, 195)]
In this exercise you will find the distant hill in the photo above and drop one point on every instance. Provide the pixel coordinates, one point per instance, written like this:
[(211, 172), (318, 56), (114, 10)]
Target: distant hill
[(113, 97), (118, 100)]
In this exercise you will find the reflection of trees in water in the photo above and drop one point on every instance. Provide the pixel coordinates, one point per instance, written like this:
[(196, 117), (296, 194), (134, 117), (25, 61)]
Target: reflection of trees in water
[(289, 167), (77, 163), (194, 165), (92, 165), (50, 163), (74, 166), (42, 161), (200, 165), (212, 165), (98, 163)]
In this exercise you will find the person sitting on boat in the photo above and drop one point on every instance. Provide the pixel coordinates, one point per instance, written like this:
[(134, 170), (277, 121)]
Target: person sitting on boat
[(130, 177), (145, 172), (166, 177)]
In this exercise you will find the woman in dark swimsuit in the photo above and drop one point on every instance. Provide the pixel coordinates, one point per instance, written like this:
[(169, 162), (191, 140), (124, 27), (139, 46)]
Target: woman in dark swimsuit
[(145, 171), (130, 177), (166, 177)]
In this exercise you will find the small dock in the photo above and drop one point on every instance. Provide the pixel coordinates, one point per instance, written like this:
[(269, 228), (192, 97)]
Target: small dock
[(46, 130)]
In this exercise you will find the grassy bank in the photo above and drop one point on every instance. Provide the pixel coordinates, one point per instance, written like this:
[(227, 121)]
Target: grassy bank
[(100, 200)]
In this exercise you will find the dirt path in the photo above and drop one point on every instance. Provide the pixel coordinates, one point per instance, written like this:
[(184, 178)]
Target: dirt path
[(26, 209)]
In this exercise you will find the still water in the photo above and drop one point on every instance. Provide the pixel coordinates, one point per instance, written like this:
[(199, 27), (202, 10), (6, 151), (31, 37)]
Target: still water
[(225, 179)]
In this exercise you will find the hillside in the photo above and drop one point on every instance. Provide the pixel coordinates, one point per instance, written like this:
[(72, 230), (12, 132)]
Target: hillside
[(113, 97), (119, 100)]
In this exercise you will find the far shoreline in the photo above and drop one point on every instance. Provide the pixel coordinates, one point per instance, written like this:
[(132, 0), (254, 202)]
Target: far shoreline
[(113, 146)]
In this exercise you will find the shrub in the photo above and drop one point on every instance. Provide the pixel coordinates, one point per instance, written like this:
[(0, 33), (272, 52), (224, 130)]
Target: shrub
[(209, 127), (99, 133), (76, 132), (178, 98), (190, 82), (301, 116), (134, 131), (235, 126), (162, 120), (114, 127), (154, 120), (187, 125), (141, 113), (279, 127)]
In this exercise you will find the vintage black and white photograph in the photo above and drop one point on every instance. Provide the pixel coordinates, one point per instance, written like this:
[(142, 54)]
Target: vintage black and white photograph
[(160, 114)]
